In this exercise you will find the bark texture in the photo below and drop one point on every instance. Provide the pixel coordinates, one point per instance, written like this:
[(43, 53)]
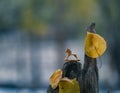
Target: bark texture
[(90, 76)]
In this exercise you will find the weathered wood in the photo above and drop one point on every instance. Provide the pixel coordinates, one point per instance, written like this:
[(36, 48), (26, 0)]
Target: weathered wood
[(73, 70), (90, 76), (87, 77)]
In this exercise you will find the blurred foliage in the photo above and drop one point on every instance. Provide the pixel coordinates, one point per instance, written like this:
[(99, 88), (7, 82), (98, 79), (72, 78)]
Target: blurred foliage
[(40, 16)]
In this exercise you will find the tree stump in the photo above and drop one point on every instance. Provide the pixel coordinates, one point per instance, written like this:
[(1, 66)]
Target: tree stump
[(73, 70), (90, 76), (87, 77), (70, 70)]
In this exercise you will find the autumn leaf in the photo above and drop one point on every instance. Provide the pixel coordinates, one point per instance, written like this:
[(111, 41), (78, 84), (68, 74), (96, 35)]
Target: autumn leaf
[(69, 86), (95, 45), (55, 78)]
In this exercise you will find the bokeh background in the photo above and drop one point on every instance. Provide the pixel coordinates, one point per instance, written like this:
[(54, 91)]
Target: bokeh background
[(35, 33)]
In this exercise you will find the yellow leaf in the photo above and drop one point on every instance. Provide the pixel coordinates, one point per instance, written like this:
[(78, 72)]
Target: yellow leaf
[(95, 45), (55, 78), (69, 86)]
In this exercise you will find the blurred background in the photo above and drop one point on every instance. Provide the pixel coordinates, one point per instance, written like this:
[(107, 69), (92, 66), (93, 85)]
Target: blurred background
[(35, 33)]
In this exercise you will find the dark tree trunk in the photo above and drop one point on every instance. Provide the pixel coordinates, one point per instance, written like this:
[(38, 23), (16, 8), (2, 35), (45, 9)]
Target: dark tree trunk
[(72, 70), (90, 76)]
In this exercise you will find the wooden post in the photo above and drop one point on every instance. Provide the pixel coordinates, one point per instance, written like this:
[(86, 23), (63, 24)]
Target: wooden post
[(90, 78)]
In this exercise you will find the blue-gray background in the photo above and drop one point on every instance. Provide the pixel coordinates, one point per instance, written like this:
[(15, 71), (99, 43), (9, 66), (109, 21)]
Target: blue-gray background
[(35, 33)]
